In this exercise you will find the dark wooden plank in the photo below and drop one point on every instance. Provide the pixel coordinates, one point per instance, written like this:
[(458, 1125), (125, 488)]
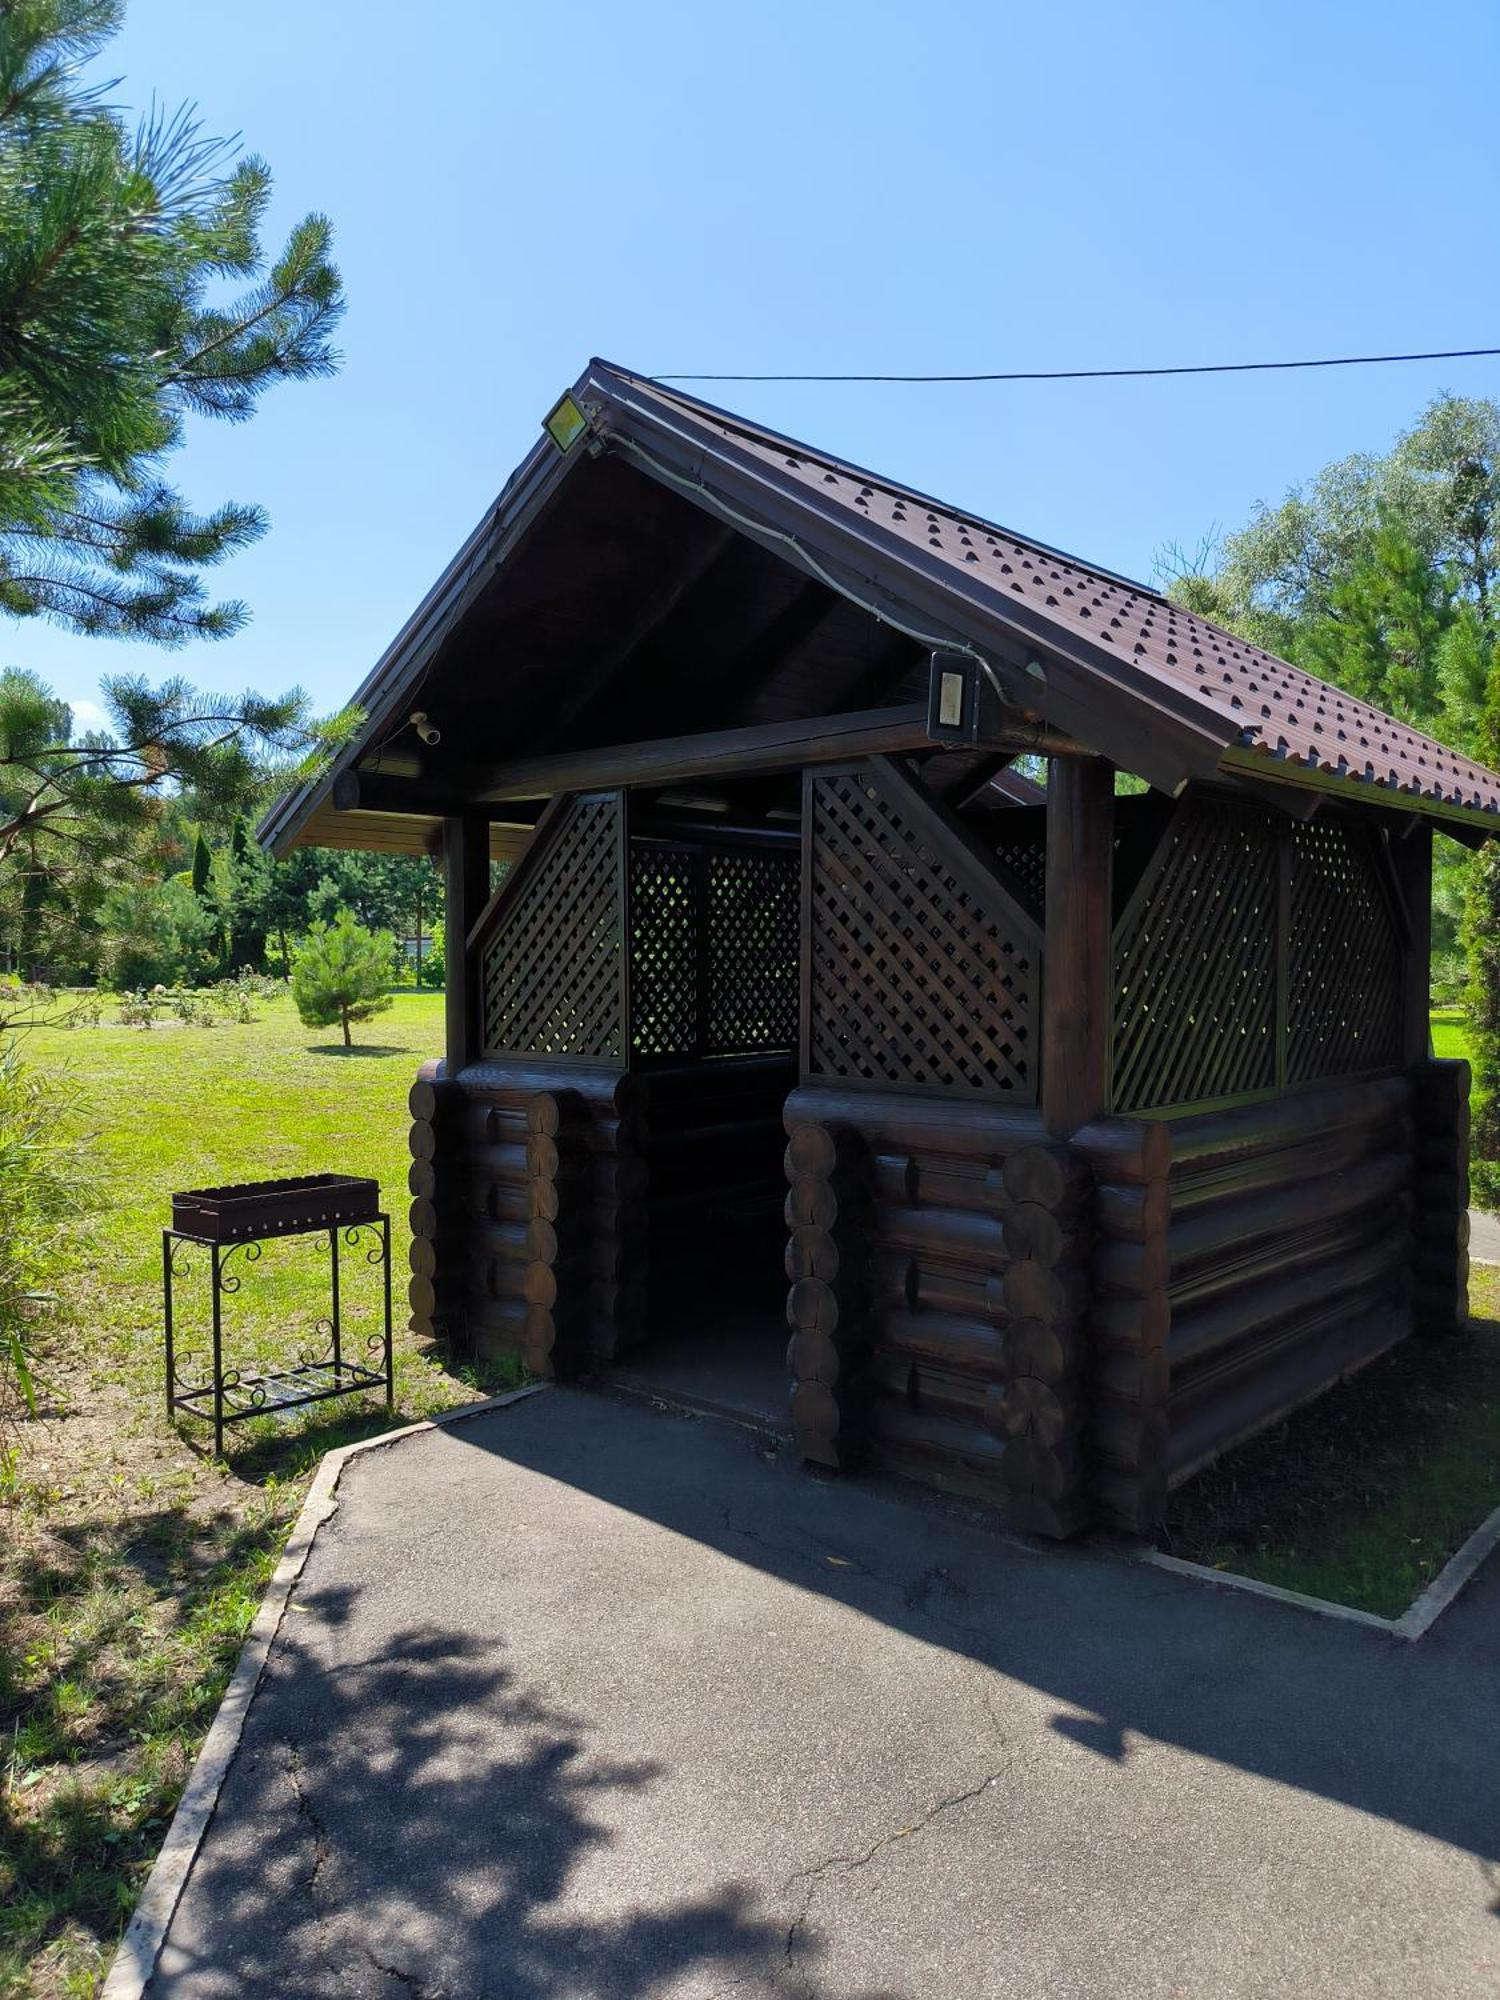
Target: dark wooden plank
[(466, 881), (1078, 989), (1411, 857), (770, 746)]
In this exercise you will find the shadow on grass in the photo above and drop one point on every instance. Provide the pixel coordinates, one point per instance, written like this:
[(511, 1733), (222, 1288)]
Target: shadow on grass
[(119, 1638), (1366, 1492), (356, 1049)]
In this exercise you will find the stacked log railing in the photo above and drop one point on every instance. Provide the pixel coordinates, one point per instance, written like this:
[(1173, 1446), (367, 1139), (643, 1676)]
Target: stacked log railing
[(939, 1261), (529, 1235), (1288, 1256), (436, 1289), (1440, 1221), (1130, 1317)]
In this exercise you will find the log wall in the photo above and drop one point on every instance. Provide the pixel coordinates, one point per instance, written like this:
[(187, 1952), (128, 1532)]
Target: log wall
[(938, 1260), (528, 1214)]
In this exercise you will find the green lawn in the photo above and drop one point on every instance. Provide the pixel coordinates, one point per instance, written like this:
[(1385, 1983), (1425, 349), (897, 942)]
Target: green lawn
[(133, 1562), (1450, 1033)]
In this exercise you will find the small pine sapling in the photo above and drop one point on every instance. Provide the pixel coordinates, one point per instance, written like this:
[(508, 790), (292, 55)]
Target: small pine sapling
[(341, 973)]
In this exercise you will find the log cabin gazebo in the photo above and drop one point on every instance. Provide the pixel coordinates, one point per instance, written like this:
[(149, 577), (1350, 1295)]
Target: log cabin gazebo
[(1076, 1134)]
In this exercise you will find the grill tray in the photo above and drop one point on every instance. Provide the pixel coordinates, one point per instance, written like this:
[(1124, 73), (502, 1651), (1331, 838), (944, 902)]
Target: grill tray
[(274, 1208)]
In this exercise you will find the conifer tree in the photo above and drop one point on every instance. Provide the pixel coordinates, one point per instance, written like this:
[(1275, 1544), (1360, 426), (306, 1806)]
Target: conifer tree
[(113, 244), (341, 973), (115, 247)]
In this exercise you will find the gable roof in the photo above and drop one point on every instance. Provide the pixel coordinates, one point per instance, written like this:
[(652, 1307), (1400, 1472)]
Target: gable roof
[(1162, 691)]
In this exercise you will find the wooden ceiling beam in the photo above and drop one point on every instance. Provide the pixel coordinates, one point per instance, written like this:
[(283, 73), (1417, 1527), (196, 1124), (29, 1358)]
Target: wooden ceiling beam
[(713, 754)]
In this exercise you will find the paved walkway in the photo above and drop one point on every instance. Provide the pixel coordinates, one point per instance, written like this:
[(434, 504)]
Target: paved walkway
[(1484, 1237), (580, 1701)]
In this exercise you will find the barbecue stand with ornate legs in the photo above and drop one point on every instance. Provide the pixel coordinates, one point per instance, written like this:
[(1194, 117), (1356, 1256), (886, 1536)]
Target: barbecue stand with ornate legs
[(235, 1222)]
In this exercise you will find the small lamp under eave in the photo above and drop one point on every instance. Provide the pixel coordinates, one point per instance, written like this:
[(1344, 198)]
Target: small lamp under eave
[(565, 423)]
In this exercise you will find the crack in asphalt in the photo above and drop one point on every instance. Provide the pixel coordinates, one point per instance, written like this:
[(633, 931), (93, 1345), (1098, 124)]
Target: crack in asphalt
[(416, 1987), (916, 1594), (322, 1845), (850, 1864)]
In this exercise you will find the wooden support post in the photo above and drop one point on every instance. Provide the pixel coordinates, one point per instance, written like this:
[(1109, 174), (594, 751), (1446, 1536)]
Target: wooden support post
[(1412, 854), (466, 880), (1076, 962)]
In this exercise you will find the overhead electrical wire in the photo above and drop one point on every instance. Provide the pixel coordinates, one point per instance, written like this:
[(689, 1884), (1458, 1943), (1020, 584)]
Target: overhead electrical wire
[(1107, 374)]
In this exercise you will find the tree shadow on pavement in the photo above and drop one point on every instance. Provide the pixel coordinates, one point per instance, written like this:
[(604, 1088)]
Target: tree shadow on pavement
[(409, 1823)]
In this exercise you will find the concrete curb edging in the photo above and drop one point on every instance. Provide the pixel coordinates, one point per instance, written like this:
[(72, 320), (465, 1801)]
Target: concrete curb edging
[(135, 1960), (1419, 1616)]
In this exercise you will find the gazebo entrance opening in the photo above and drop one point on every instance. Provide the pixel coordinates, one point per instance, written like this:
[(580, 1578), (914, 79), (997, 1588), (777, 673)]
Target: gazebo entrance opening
[(713, 977), (637, 989)]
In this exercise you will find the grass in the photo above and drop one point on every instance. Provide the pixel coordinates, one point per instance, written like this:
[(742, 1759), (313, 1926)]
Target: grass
[(1365, 1494), (133, 1561), (1450, 1033)]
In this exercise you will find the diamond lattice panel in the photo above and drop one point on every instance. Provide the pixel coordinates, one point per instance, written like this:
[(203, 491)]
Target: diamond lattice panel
[(1195, 964), (1344, 977), (924, 972), (664, 950), (550, 979), (753, 897), (1022, 856)]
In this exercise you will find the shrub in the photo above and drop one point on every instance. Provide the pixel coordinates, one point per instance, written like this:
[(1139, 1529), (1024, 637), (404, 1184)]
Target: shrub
[(137, 1010), (341, 972), (39, 1186), (192, 1009), (431, 967)]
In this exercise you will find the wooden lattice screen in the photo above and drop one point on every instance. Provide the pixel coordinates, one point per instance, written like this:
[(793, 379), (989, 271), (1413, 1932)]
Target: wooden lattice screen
[(1344, 955), (1255, 952), (1018, 840), (552, 978), (713, 949), (923, 970)]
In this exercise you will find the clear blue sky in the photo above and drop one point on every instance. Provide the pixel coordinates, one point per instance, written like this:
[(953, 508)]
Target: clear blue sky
[(831, 184)]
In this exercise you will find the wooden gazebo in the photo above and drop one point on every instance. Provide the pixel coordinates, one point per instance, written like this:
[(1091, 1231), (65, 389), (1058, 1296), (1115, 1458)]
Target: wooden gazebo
[(1109, 1124)]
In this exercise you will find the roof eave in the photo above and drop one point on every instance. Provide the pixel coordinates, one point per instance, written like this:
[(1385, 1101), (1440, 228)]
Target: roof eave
[(1463, 821)]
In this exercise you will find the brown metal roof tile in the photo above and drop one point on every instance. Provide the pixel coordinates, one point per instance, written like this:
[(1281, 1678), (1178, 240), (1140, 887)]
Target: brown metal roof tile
[(1273, 710)]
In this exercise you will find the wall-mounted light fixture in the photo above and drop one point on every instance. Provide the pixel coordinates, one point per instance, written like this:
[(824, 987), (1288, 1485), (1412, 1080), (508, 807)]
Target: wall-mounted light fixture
[(565, 423)]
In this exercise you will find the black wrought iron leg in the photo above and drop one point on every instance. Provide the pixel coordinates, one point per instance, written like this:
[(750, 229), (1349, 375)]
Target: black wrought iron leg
[(390, 1372), (333, 1281), (218, 1357), (166, 1295)]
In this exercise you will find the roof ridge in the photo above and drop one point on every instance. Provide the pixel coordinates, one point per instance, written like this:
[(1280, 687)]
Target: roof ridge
[(762, 434)]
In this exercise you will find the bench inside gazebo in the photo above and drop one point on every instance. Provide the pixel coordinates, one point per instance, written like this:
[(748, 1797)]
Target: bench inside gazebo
[(841, 1037)]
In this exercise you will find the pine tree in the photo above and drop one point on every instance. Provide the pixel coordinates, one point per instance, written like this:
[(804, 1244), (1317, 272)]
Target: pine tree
[(111, 241), (77, 816), (203, 862), (341, 973)]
